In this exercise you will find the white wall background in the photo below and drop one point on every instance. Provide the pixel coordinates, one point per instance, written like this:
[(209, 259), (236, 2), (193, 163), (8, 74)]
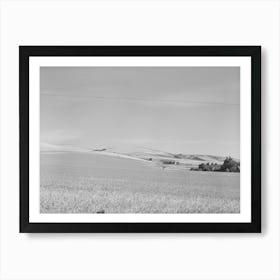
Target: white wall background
[(127, 256)]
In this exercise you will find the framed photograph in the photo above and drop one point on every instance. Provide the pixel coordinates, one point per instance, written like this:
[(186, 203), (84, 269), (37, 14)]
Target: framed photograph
[(140, 139)]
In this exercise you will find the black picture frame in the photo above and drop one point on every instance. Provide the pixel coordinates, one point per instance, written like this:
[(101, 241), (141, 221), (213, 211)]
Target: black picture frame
[(25, 52)]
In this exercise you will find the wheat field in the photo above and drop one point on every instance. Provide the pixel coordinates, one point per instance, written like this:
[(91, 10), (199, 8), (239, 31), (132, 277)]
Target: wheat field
[(87, 183)]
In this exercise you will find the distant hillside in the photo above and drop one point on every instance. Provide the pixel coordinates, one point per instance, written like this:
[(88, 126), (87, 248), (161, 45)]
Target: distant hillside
[(162, 158), (152, 157)]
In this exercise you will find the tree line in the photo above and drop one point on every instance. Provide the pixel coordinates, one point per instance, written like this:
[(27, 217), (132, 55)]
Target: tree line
[(229, 165)]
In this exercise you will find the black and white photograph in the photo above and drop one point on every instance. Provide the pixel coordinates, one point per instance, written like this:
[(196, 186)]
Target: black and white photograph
[(140, 140)]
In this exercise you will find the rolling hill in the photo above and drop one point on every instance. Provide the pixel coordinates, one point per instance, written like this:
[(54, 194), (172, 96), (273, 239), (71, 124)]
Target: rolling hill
[(150, 156)]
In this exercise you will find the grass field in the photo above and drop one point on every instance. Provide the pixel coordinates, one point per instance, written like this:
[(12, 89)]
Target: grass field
[(74, 182)]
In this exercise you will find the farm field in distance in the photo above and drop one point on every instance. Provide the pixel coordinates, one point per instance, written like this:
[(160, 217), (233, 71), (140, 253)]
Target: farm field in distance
[(81, 182)]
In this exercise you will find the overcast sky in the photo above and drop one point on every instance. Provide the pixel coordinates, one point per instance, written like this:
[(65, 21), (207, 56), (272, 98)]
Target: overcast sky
[(193, 110)]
